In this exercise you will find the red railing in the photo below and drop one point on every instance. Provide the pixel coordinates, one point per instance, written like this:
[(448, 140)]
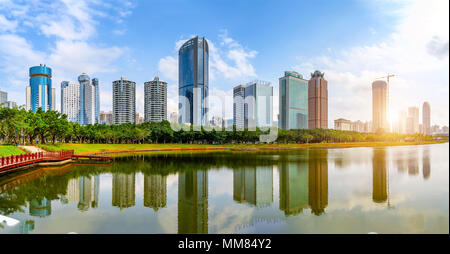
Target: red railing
[(29, 158)]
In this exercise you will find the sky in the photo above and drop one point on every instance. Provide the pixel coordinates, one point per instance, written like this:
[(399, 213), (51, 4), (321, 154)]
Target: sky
[(353, 42)]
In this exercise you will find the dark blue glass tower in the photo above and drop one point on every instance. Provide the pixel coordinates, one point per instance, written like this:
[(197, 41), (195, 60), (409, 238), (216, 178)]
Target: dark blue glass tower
[(193, 63)]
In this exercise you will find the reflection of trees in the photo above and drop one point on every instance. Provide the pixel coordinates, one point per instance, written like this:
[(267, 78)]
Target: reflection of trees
[(193, 202), (317, 180), (379, 193), (426, 168)]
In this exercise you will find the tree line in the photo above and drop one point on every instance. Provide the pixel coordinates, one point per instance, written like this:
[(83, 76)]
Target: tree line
[(18, 125)]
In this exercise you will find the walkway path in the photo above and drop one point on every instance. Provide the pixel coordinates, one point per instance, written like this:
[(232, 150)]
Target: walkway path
[(32, 149)]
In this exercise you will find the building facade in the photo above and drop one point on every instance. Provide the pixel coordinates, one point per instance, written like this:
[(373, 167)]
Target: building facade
[(293, 102), (317, 101), (106, 117), (342, 124), (3, 98), (379, 106), (124, 101), (39, 94), (412, 124), (155, 96), (193, 71), (238, 106), (96, 85), (426, 118), (70, 101)]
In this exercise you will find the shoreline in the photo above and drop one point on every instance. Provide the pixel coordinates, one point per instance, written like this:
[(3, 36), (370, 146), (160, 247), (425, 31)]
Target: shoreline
[(104, 149)]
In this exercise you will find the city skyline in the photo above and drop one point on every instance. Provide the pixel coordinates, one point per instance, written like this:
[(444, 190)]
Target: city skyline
[(239, 57)]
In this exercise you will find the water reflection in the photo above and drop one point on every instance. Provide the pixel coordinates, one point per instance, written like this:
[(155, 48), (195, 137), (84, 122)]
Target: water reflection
[(123, 187), (318, 181), (155, 188), (253, 185), (193, 202), (40, 207), (413, 163), (293, 187), (379, 192), (426, 168)]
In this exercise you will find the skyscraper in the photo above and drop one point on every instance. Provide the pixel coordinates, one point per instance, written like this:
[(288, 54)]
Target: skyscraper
[(412, 123), (379, 106), (293, 101), (70, 100), (124, 101), (238, 106), (426, 113), (155, 95), (253, 102), (3, 98), (87, 100), (193, 71), (317, 101), (39, 94), (96, 85)]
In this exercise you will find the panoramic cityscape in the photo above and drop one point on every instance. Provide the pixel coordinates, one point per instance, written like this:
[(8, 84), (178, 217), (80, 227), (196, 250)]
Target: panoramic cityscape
[(107, 129)]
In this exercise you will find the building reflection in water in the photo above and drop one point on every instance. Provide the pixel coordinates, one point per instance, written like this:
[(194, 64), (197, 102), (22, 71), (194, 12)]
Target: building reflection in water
[(155, 188), (426, 167), (40, 207), (123, 187), (413, 163), (293, 187), (400, 161), (84, 191), (27, 226), (253, 185), (379, 192), (317, 180), (193, 202)]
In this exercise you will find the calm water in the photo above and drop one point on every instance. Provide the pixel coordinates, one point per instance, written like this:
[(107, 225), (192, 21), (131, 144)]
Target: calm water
[(352, 190)]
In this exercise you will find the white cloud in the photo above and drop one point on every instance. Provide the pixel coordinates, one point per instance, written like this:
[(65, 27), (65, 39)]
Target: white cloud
[(7, 25), (417, 53), (168, 66)]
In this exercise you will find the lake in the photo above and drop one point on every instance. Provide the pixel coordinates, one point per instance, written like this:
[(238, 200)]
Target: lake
[(400, 189)]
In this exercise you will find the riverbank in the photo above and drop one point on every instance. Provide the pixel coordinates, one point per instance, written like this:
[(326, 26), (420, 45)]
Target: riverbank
[(86, 149), (8, 150)]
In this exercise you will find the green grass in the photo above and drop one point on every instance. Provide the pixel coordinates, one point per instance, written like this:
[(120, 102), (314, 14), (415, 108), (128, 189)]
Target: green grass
[(7, 150), (95, 148)]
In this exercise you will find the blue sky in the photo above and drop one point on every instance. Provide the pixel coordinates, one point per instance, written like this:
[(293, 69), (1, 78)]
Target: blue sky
[(353, 42)]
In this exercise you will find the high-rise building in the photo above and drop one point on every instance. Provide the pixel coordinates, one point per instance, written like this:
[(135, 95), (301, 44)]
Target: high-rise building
[(401, 124), (3, 98), (124, 101), (193, 202), (106, 117), (238, 106), (379, 106), (174, 117), (70, 100), (317, 101), (426, 115), (193, 76), (293, 102), (87, 100), (342, 124), (155, 191), (123, 190), (96, 85), (412, 124), (39, 94), (257, 104), (155, 95), (139, 118)]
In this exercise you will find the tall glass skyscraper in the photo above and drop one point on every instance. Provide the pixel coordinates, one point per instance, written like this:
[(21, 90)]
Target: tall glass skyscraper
[(293, 101), (39, 93), (88, 100), (97, 100), (193, 71)]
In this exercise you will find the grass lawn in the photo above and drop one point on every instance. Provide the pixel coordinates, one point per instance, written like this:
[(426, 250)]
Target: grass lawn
[(96, 148), (7, 150)]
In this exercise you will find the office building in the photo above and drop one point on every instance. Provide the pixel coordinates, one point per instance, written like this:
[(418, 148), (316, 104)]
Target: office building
[(39, 94), (96, 85), (124, 101), (193, 202), (293, 101), (70, 100), (379, 106), (87, 100), (256, 102), (173, 117), (342, 124), (106, 117), (317, 101), (155, 96), (155, 191), (412, 123), (193, 79), (123, 190), (3, 98), (139, 118), (426, 115)]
